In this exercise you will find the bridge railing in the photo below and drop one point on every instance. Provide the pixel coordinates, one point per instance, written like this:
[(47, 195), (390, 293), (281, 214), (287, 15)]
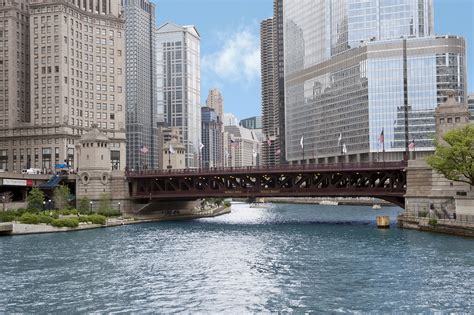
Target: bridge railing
[(256, 169)]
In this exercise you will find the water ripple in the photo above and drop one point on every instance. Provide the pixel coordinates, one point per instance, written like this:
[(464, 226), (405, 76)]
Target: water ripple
[(290, 258)]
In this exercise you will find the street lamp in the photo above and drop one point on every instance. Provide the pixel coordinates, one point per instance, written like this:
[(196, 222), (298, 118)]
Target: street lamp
[(119, 206), (90, 203), (49, 204), (3, 200), (44, 206)]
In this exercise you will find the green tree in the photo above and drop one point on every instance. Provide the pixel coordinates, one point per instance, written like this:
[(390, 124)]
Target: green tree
[(104, 204), (35, 199), (84, 205), (455, 159), (61, 195)]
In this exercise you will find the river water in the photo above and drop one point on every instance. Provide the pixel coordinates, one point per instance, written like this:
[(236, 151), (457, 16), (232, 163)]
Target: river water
[(296, 258)]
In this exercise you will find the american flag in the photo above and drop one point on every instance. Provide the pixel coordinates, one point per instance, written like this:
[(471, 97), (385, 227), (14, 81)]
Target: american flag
[(381, 137), (144, 150)]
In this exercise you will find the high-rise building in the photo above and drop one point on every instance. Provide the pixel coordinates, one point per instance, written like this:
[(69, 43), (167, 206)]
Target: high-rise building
[(178, 84), (216, 153), (211, 151), (230, 120), (359, 72), (254, 122), (75, 76), (14, 63), (273, 96), (216, 101), (470, 104), (141, 103)]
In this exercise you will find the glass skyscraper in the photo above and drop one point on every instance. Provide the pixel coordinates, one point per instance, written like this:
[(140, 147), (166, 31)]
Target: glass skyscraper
[(142, 116), (356, 68), (178, 84)]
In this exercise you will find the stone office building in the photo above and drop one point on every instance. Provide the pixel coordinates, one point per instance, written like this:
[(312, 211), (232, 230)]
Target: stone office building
[(74, 78)]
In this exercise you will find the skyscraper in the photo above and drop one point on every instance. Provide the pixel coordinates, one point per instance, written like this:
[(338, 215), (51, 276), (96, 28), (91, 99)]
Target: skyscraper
[(178, 84), (141, 102), (357, 69), (273, 92), (75, 76), (211, 151), (216, 101)]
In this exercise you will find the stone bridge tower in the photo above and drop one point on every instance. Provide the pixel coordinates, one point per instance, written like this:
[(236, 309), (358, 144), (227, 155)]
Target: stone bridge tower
[(97, 178)]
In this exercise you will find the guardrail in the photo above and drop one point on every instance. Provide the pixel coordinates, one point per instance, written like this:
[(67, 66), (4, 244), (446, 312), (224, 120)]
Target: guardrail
[(257, 169)]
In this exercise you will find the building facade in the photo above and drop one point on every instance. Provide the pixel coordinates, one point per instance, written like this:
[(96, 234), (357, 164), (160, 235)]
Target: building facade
[(172, 148), (141, 103), (470, 105), (216, 101), (76, 79), (242, 146), (230, 120), (273, 93), (178, 84), (254, 122), (212, 150), (357, 72)]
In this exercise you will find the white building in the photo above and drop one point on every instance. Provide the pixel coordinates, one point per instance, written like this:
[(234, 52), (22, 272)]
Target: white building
[(242, 146), (179, 83), (230, 120)]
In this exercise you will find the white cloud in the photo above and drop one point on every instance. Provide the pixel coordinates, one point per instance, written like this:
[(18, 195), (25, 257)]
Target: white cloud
[(237, 60)]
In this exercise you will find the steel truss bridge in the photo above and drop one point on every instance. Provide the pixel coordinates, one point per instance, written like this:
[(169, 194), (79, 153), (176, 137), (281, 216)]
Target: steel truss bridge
[(384, 180)]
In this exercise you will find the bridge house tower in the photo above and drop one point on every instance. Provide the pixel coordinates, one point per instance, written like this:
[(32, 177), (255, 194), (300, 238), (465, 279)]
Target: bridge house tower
[(98, 177)]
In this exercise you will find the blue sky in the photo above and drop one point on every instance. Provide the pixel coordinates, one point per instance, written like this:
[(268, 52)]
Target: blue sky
[(230, 42)]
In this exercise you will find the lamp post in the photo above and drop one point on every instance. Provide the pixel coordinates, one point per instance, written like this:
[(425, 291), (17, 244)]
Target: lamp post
[(90, 204), (3, 201), (44, 206), (49, 204), (119, 207)]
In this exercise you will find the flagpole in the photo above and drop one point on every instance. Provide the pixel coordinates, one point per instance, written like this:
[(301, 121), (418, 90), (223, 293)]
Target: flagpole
[(169, 156)]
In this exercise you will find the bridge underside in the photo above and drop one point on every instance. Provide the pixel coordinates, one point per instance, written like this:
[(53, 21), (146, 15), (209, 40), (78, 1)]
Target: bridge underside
[(386, 182)]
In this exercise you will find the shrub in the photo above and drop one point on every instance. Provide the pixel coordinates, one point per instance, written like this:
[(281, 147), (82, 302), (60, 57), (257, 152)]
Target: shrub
[(29, 218), (227, 204), (66, 222), (423, 214), (433, 222), (97, 219), (7, 216), (43, 218), (67, 212), (84, 206)]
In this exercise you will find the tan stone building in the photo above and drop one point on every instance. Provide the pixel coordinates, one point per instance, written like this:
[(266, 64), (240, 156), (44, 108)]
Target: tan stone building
[(75, 75), (172, 148)]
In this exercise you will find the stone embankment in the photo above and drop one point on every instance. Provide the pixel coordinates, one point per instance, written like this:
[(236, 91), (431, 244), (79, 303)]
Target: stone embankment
[(447, 226), (15, 228)]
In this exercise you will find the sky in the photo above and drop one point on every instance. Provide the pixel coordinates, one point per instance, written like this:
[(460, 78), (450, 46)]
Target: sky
[(230, 43)]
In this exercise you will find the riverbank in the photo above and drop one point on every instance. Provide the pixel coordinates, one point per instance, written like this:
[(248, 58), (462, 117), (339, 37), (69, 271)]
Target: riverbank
[(445, 226), (16, 228)]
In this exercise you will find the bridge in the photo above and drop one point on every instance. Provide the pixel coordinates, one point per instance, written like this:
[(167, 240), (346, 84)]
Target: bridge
[(384, 180)]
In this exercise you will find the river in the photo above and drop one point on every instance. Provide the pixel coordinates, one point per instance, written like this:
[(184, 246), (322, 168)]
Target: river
[(291, 258)]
